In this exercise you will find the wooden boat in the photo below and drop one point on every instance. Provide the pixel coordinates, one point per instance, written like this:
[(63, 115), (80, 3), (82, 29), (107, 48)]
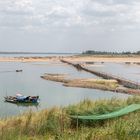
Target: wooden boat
[(18, 70), (22, 99)]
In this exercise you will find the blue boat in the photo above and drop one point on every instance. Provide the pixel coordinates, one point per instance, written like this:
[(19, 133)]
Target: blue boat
[(22, 99)]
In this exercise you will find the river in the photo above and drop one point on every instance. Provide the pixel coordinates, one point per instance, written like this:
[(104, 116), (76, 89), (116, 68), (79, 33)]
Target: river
[(51, 93)]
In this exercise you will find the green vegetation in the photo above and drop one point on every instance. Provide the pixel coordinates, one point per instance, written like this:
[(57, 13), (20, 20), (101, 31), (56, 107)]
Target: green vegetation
[(102, 84), (92, 52), (56, 123), (105, 82)]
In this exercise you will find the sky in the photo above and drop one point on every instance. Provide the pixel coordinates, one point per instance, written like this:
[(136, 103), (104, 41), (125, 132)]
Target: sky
[(69, 25)]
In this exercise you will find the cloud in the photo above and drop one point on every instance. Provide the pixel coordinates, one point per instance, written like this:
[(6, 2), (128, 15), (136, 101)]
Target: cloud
[(105, 14)]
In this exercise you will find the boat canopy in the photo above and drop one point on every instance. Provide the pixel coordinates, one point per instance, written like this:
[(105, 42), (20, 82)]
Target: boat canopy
[(20, 98), (18, 94)]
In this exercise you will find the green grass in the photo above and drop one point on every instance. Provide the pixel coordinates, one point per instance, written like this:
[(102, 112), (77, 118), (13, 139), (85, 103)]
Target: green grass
[(105, 82), (56, 123)]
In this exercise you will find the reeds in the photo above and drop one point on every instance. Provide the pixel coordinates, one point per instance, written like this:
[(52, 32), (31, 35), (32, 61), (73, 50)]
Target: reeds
[(56, 123)]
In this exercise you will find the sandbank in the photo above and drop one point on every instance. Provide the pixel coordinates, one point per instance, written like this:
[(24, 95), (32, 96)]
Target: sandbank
[(114, 59)]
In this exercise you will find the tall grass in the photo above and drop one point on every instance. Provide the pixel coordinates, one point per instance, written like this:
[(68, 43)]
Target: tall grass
[(56, 123)]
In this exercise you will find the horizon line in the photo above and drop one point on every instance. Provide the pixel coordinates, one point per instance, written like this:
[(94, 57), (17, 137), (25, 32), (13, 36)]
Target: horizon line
[(29, 52)]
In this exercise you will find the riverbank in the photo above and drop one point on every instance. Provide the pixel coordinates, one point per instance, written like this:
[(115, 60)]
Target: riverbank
[(29, 59), (101, 84), (56, 123), (76, 58), (107, 83), (104, 58)]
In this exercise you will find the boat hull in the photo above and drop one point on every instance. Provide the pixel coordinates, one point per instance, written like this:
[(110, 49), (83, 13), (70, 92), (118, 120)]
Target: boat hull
[(28, 100)]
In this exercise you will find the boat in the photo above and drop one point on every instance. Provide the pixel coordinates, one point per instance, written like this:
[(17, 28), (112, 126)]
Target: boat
[(22, 99), (18, 70)]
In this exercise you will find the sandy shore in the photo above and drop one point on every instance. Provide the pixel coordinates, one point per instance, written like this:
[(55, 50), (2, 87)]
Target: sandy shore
[(28, 59), (117, 59), (73, 59), (101, 84)]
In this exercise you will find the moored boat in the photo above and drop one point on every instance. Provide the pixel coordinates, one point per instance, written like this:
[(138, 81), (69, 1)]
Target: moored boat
[(18, 70), (22, 99)]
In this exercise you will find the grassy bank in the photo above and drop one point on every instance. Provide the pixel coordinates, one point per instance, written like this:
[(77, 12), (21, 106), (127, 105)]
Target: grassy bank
[(101, 84), (109, 55), (56, 123)]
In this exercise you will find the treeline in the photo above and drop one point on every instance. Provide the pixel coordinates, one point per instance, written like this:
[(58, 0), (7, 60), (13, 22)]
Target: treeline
[(92, 52)]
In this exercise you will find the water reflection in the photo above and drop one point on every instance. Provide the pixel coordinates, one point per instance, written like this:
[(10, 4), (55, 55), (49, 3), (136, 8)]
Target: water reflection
[(24, 104)]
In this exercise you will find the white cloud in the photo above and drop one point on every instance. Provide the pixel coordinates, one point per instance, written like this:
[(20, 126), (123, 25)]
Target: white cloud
[(109, 14)]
